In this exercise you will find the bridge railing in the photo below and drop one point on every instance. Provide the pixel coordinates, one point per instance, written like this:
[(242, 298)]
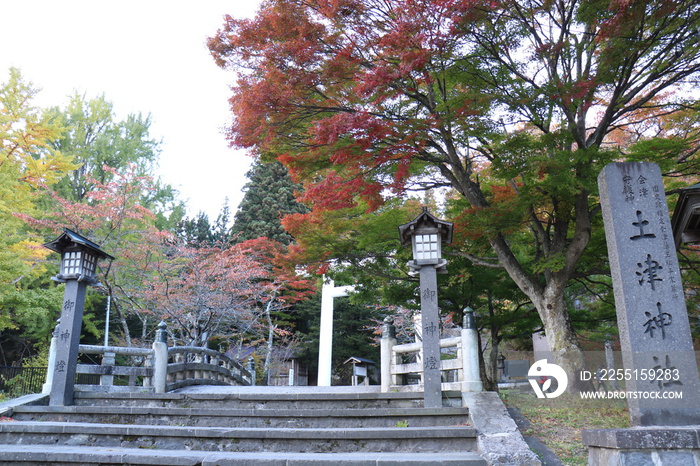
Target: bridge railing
[(158, 369), (191, 365), (133, 365)]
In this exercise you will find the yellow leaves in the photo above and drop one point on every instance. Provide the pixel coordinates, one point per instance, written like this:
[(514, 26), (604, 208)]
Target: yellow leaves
[(46, 169), (26, 134), (32, 253), (30, 250), (27, 161)]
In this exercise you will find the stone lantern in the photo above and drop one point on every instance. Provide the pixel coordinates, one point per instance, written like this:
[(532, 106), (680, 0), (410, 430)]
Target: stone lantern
[(686, 216), (426, 234), (79, 258)]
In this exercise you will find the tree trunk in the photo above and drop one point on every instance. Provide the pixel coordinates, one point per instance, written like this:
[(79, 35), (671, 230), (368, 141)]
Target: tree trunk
[(549, 302), (548, 298), (122, 322), (270, 340), (492, 369), (562, 340)]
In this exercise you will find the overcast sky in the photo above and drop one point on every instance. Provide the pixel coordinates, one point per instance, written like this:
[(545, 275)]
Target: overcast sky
[(145, 56)]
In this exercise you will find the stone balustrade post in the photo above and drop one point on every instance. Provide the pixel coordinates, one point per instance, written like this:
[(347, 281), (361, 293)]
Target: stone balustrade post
[(470, 354), (148, 381), (214, 374), (182, 374), (108, 360), (387, 344), (160, 358), (46, 389), (199, 358), (251, 369)]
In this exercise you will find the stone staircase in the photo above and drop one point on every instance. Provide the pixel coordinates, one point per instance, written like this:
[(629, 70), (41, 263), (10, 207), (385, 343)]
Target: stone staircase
[(248, 426)]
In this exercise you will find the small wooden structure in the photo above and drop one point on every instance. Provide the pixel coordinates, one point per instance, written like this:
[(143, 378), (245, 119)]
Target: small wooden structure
[(360, 368)]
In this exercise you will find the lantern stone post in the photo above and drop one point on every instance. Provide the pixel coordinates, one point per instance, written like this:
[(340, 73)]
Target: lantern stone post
[(426, 234), (79, 257)]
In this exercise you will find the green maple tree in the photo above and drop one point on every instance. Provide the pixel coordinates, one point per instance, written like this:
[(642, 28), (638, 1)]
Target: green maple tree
[(102, 145)]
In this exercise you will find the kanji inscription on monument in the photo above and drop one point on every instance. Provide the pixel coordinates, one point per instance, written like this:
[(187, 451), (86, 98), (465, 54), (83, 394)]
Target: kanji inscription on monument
[(430, 313), (426, 234), (656, 342), (69, 341)]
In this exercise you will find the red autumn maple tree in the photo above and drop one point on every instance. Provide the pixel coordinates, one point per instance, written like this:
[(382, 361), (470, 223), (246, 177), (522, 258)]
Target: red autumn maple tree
[(367, 99), (228, 293), (280, 288), (204, 292), (113, 216)]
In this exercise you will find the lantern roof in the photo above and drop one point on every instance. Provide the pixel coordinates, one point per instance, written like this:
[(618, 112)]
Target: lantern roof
[(686, 216), (425, 220), (70, 238)]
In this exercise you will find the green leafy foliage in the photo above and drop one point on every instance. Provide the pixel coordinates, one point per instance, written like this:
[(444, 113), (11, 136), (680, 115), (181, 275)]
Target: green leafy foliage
[(101, 146), (95, 141)]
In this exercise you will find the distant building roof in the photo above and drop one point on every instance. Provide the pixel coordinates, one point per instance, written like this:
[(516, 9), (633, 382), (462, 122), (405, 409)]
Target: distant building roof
[(357, 360)]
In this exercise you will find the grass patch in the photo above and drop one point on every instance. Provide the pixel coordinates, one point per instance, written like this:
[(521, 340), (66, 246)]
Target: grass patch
[(558, 422)]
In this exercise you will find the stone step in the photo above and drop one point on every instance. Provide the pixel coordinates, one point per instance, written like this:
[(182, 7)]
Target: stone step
[(312, 440), (249, 417), (58, 455), (257, 400)]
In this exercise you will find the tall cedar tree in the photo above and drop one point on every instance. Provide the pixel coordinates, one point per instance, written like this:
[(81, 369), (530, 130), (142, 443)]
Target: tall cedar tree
[(199, 232), (508, 102), (269, 196)]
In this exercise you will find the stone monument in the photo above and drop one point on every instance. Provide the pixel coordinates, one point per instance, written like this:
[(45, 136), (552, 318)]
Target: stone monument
[(660, 370)]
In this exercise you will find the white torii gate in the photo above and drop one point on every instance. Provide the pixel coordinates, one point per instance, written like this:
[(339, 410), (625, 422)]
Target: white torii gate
[(325, 344)]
